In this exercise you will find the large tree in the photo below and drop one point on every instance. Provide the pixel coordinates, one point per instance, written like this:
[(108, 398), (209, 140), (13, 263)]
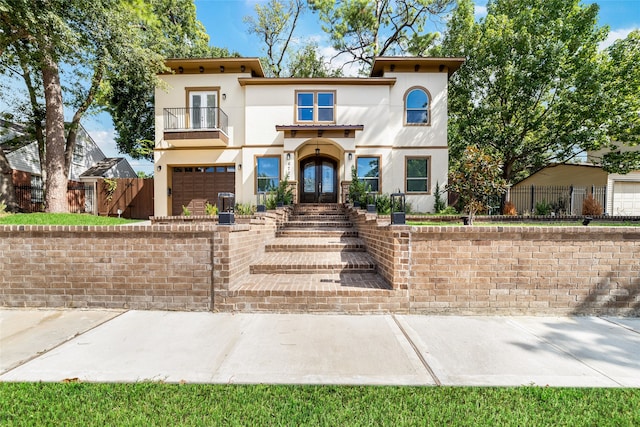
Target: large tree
[(622, 119), (531, 91), (364, 29), (98, 54), (52, 39), (285, 55)]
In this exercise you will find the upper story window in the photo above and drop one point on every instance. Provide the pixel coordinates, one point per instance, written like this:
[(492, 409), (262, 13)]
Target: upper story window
[(315, 106), (417, 104), (78, 152)]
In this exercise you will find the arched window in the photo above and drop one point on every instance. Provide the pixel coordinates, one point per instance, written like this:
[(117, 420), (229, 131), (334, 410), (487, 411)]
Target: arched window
[(417, 106)]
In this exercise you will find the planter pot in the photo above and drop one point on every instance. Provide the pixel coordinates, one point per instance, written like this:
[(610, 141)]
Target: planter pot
[(371, 209), (226, 218), (398, 218)]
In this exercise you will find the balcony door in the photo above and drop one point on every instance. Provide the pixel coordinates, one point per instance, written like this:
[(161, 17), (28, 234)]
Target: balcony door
[(319, 180), (203, 109)]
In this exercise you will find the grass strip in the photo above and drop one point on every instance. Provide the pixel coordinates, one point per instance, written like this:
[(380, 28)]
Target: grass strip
[(62, 219), (265, 405)]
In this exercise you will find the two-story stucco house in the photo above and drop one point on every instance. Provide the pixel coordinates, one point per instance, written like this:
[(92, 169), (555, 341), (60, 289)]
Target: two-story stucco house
[(221, 126)]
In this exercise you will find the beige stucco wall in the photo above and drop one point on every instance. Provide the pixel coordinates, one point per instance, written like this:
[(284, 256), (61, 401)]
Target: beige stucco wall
[(255, 110)]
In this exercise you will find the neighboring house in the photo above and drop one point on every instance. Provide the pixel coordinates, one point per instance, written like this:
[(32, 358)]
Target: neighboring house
[(623, 188), (618, 194), (22, 155), (88, 163), (221, 126)]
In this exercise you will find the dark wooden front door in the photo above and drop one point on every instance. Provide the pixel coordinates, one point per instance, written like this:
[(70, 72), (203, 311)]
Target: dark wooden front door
[(319, 179)]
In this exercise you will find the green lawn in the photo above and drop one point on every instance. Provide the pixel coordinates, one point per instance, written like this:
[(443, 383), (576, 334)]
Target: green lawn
[(62, 219), (260, 405), (529, 224)]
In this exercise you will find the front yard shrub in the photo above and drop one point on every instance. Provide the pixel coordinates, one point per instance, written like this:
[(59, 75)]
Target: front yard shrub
[(245, 209), (509, 209), (543, 208), (449, 210), (210, 209), (439, 204), (590, 206), (185, 211), (383, 204)]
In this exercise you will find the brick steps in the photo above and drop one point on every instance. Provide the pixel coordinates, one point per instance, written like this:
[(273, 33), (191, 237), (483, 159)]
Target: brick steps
[(316, 293), (315, 244), (316, 263)]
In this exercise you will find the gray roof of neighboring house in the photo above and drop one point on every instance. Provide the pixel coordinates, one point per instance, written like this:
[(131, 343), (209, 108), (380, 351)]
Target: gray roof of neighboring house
[(101, 168), (12, 132)]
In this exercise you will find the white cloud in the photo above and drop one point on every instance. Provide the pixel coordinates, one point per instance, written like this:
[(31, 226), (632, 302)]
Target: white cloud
[(479, 11), (614, 35)]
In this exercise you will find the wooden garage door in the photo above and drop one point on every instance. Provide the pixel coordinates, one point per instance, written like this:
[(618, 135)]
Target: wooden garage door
[(626, 198), (194, 186)]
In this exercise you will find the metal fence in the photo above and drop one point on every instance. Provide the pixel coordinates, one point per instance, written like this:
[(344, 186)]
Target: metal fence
[(198, 118), (80, 197), (558, 200)]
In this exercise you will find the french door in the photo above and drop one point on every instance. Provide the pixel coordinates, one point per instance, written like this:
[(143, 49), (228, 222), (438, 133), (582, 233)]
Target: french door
[(203, 112), (319, 180)]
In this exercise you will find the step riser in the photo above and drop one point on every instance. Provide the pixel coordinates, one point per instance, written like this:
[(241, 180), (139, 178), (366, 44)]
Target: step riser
[(315, 233), (297, 269), (314, 249)]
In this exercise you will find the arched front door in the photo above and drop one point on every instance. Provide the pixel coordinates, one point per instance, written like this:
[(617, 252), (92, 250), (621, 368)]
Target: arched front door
[(319, 180)]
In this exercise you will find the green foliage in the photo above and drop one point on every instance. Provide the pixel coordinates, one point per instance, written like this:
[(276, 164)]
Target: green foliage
[(245, 209), (283, 193), (63, 219), (185, 211), (357, 189), (144, 403), (365, 29), (209, 209), (439, 205), (383, 204), (3, 208), (531, 91), (543, 208), (110, 187), (476, 178), (449, 210)]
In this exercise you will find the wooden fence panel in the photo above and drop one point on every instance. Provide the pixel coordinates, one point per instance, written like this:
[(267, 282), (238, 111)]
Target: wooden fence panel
[(133, 196)]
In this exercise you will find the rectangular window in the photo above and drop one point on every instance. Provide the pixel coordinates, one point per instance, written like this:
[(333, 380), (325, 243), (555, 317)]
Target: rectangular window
[(267, 173), (78, 153), (368, 170), (417, 174), (315, 107)]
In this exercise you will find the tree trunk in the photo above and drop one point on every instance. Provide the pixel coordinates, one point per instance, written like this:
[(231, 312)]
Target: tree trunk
[(56, 191), (7, 190)]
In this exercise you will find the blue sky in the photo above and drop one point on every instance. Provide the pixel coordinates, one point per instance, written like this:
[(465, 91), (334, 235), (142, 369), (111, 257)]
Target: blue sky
[(223, 20)]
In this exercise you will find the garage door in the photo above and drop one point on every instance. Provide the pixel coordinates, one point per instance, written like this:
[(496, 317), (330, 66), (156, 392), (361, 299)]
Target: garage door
[(195, 186), (626, 198)]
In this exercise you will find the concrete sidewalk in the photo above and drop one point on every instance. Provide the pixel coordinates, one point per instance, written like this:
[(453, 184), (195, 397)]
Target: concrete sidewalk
[(113, 346)]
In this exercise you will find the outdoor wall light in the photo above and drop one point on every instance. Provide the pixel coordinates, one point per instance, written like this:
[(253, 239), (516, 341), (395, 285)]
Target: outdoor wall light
[(224, 96), (240, 166), (350, 156), (288, 156), (159, 168), (169, 191)]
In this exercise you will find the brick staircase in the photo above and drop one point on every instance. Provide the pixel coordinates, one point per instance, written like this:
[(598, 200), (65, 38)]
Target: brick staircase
[(316, 263)]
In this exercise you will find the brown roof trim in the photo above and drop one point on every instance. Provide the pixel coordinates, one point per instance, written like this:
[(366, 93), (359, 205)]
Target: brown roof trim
[(214, 66), (319, 127), (412, 64), (333, 81)]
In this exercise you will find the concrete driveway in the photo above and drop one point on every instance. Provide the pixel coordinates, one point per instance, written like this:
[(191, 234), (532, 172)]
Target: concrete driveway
[(112, 346)]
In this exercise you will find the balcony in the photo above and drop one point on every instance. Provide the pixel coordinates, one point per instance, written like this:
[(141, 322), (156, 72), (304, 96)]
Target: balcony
[(201, 126)]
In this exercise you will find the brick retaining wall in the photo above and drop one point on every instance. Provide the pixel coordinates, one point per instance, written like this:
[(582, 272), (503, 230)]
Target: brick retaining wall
[(160, 267), (525, 270), (445, 270)]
